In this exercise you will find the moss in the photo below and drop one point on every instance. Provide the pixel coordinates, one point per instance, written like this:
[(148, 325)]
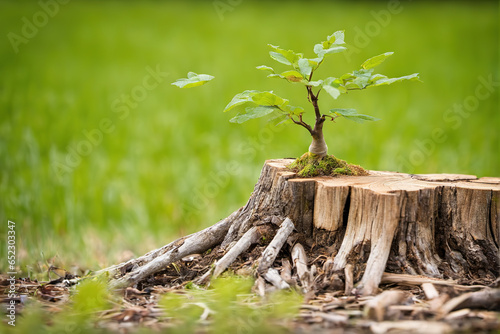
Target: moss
[(310, 165)]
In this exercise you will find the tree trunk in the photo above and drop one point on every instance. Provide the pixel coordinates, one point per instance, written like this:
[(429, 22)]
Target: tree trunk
[(443, 226), (318, 145)]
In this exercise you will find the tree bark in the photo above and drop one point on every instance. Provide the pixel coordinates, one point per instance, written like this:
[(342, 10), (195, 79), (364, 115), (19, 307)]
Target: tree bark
[(318, 144)]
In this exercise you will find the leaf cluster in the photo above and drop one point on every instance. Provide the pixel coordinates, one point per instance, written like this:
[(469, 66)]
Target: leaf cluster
[(253, 104)]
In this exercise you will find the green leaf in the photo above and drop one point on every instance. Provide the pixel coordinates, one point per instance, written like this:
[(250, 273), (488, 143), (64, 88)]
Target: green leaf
[(268, 99), (337, 37), (375, 61), (287, 57), (376, 77), (334, 92), (193, 80), (280, 119), (265, 68), (388, 81), (333, 87), (292, 76), (305, 67), (314, 83), (321, 51), (353, 115), (292, 110), (357, 79), (253, 112), (279, 58), (274, 75), (331, 45), (344, 112), (240, 99)]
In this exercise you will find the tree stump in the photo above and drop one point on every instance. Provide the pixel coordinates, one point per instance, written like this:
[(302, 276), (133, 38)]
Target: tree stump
[(438, 225)]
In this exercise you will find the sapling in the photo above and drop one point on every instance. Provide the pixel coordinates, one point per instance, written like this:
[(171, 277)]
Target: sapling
[(252, 104)]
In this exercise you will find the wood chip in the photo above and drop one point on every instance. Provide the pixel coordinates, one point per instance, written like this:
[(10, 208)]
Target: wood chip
[(376, 307), (273, 277), (349, 279), (414, 327), (286, 271), (337, 319), (430, 291)]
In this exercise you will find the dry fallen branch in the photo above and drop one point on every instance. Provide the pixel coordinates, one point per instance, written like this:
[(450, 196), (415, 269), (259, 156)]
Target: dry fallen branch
[(376, 308), (488, 299)]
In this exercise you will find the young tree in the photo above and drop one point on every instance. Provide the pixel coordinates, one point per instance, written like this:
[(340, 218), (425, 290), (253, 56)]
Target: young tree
[(252, 104)]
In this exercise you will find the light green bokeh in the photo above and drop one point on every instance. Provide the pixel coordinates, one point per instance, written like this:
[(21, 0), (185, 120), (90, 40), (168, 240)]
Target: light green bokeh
[(174, 164)]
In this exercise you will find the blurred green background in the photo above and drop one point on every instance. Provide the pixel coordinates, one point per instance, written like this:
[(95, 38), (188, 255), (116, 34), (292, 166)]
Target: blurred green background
[(165, 162)]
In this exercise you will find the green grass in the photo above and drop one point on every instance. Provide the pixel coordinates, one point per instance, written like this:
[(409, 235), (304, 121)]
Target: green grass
[(175, 164)]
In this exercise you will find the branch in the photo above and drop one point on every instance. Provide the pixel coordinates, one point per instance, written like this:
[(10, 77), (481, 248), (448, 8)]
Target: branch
[(302, 123), (332, 117), (314, 100)]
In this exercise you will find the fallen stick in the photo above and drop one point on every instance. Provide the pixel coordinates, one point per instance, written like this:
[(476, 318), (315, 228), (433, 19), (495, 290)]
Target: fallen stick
[(274, 247), (488, 299), (412, 280)]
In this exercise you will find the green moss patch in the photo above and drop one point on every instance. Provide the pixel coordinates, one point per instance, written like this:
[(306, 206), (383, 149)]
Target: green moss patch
[(310, 165)]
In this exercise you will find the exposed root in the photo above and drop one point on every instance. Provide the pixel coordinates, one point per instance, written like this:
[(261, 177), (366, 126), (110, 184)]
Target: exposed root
[(196, 243), (299, 259), (251, 237), (274, 247), (349, 279)]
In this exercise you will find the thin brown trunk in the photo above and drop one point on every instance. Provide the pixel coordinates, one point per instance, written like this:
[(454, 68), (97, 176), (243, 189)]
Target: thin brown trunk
[(318, 145)]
